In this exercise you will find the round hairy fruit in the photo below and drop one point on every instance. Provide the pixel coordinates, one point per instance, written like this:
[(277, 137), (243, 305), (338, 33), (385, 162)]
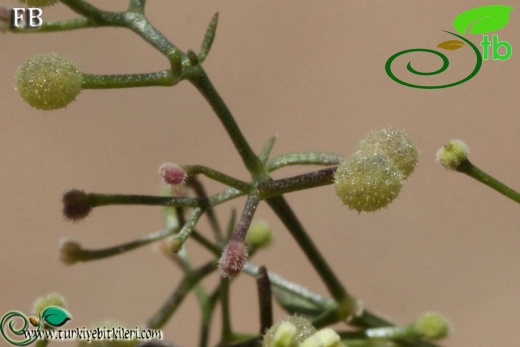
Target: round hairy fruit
[(368, 181), (48, 82), (396, 144), (453, 154)]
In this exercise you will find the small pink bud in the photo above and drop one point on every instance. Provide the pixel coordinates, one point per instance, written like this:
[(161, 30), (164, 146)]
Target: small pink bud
[(76, 205), (233, 259), (172, 174)]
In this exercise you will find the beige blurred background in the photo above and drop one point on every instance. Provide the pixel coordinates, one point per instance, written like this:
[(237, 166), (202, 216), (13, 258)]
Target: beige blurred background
[(311, 72)]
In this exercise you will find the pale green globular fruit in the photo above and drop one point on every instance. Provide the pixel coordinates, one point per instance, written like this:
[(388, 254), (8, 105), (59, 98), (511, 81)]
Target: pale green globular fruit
[(259, 235), (39, 3), (432, 326), (323, 338), (453, 154), (396, 144), (48, 82), (368, 181), (290, 332)]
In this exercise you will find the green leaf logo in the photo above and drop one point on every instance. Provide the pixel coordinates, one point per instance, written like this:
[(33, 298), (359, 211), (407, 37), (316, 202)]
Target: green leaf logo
[(56, 316), (482, 20)]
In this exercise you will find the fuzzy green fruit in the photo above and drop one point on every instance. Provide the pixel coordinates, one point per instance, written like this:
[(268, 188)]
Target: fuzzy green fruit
[(396, 144), (48, 82), (368, 181), (295, 328)]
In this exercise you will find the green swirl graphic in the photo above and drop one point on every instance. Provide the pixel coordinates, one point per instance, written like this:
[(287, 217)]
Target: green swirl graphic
[(8, 319), (445, 64)]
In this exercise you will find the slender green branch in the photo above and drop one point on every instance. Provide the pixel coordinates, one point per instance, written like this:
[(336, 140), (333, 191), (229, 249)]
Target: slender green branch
[(226, 195), (235, 253), (200, 191), (367, 319), (204, 242), (186, 230), (81, 254), (208, 38), (231, 223), (138, 23), (207, 315), (295, 289), (264, 300), (471, 170), (135, 20), (206, 302), (63, 25), (217, 176), (201, 81), (347, 305), (173, 302), (240, 232), (227, 331), (97, 16), (96, 200), (154, 79), (314, 179), (266, 150), (304, 158)]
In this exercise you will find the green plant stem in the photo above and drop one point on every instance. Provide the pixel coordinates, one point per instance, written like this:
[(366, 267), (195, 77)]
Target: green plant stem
[(138, 23), (368, 319), (161, 78), (186, 230), (97, 254), (173, 302), (208, 38), (347, 305), (200, 191), (265, 303), (133, 20), (207, 315), (217, 176), (295, 289), (64, 25), (95, 15), (269, 189), (201, 81), (206, 303), (227, 331), (471, 170), (266, 150), (304, 158), (97, 200), (203, 241), (240, 232)]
